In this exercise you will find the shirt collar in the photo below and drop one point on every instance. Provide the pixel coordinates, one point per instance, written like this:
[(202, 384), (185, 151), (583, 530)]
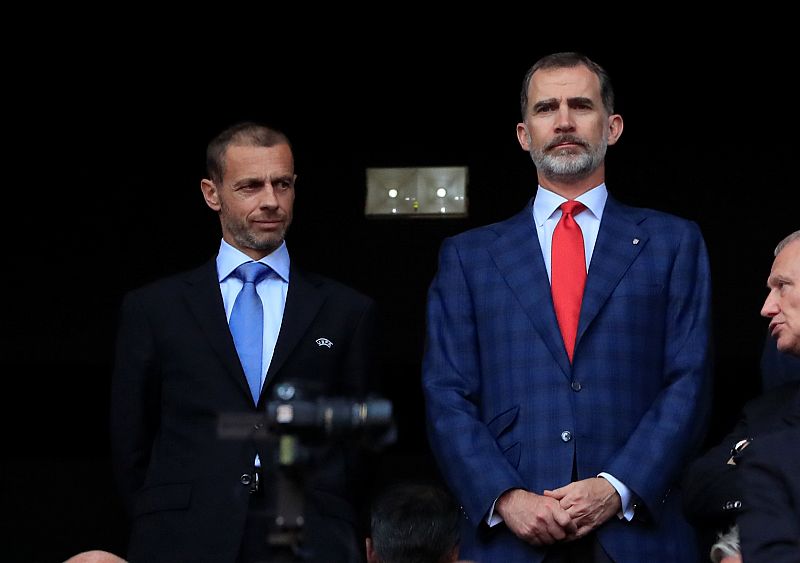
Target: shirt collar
[(230, 258), (546, 202)]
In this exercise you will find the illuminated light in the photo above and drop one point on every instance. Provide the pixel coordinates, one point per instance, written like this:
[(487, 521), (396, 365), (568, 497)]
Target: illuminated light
[(417, 191)]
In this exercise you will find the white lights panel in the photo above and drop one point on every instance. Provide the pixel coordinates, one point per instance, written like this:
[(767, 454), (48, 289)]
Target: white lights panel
[(417, 192)]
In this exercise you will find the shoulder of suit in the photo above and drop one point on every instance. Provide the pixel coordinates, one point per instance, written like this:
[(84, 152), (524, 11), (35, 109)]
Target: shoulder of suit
[(654, 219), (486, 234), (331, 286), (772, 401), (207, 272)]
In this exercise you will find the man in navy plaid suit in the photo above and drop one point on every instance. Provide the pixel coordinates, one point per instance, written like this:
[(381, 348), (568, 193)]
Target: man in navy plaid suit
[(556, 454)]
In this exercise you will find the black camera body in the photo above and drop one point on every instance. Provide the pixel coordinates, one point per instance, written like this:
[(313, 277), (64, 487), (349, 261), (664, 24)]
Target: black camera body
[(292, 433)]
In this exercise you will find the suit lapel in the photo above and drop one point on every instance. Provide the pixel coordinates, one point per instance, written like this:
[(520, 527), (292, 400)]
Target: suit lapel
[(518, 256), (303, 301), (619, 242), (204, 299)]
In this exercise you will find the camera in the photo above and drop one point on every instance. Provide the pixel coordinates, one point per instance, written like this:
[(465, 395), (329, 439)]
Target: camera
[(291, 434), (290, 413), (333, 416)]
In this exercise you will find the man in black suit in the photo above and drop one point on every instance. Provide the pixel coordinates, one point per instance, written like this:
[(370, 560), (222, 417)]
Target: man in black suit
[(712, 487), (713, 495), (769, 525), (194, 495)]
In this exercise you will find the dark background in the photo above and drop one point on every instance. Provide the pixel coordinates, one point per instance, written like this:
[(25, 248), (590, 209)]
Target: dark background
[(108, 138)]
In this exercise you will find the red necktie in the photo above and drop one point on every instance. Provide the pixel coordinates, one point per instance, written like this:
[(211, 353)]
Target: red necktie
[(568, 272)]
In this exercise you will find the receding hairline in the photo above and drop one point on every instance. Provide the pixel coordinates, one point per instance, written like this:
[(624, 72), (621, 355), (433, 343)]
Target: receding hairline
[(787, 241), (569, 60), (245, 134)]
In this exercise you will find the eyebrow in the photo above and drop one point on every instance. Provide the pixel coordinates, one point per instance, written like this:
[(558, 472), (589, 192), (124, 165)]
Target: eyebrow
[(282, 177), (775, 279), (571, 102), (258, 180)]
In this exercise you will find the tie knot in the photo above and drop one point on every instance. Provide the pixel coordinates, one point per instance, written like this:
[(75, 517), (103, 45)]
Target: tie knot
[(251, 272), (572, 207)]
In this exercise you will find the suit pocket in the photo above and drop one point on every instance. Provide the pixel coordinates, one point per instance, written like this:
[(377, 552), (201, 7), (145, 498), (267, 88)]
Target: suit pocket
[(499, 427), (175, 496)]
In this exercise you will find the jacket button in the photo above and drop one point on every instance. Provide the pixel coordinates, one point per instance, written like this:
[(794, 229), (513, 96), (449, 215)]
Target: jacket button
[(245, 479), (576, 386), (566, 436)]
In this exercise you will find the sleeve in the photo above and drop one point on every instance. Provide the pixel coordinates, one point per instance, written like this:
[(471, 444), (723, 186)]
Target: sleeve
[(673, 426), (470, 459), (134, 399)]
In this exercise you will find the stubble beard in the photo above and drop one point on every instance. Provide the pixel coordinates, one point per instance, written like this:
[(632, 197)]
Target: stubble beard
[(247, 238)]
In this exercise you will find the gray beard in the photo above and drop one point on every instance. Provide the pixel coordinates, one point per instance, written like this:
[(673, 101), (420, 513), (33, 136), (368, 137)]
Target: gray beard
[(569, 167)]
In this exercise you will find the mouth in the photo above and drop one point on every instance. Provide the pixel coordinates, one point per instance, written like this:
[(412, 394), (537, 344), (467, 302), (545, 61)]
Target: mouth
[(268, 223), (774, 329), (565, 143)]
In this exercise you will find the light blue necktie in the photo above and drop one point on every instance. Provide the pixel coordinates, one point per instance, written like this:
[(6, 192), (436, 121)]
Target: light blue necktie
[(247, 323)]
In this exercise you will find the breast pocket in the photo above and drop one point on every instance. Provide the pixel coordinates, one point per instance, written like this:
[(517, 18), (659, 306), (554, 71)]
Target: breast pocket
[(500, 427)]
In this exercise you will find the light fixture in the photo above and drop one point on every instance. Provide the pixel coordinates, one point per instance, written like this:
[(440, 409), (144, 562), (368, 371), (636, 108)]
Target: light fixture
[(417, 192)]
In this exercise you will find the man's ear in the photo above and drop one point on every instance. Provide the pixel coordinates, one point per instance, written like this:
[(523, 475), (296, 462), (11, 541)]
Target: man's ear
[(614, 128), (210, 194), (523, 137)]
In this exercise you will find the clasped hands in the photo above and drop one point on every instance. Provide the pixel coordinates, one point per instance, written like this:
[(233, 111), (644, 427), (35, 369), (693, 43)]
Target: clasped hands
[(564, 514)]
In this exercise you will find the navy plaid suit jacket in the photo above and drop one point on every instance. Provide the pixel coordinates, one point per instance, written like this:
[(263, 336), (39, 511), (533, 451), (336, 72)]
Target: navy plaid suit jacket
[(501, 394)]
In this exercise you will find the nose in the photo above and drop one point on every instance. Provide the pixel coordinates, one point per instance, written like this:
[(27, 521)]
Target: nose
[(564, 121), (770, 308), (268, 198)]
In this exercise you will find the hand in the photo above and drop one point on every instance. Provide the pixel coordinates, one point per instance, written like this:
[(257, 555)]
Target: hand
[(534, 518), (589, 502)]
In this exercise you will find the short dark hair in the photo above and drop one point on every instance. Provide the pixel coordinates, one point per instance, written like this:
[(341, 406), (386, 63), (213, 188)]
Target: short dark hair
[(569, 60), (246, 134), (414, 523)]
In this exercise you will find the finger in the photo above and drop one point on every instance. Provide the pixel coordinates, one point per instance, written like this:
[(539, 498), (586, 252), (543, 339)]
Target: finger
[(556, 494), (575, 511), (583, 530), (564, 520), (552, 532)]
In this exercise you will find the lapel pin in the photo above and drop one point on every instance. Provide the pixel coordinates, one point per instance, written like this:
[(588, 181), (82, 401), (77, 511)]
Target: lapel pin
[(636, 241), (324, 342)]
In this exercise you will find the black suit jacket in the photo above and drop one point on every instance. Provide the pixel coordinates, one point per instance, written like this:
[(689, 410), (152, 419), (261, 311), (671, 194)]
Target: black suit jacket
[(177, 371), (712, 488), (769, 526)]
